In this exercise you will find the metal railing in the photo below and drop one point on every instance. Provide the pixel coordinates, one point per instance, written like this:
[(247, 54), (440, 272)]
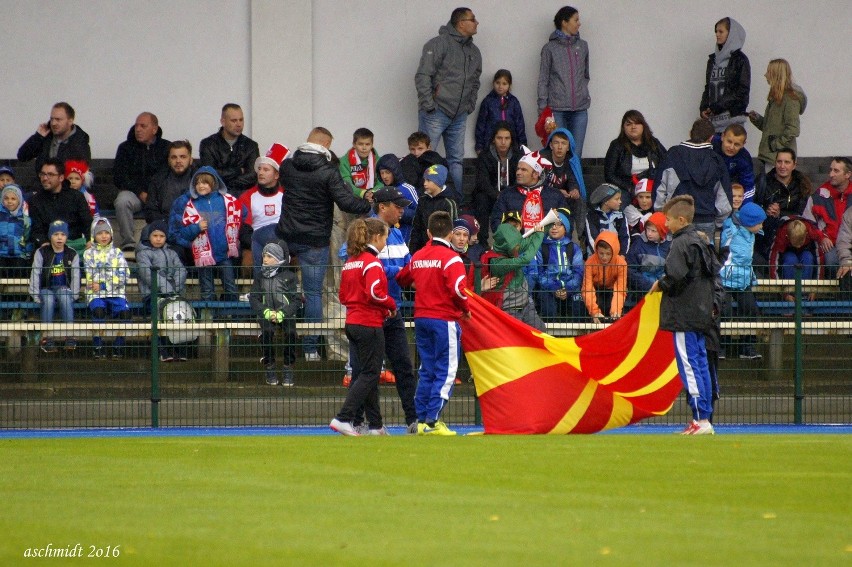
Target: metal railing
[(802, 375)]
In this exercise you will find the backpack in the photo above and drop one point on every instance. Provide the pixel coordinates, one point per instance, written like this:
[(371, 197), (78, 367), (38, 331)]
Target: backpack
[(495, 296)]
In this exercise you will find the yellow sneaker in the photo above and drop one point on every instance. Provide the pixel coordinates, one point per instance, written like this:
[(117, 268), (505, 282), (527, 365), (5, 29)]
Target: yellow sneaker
[(439, 429), (421, 428)]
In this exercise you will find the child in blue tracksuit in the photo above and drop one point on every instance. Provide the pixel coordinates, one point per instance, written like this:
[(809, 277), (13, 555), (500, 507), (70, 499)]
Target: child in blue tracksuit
[(559, 273), (730, 144), (16, 248), (737, 243), (389, 171), (500, 105), (206, 220), (646, 259)]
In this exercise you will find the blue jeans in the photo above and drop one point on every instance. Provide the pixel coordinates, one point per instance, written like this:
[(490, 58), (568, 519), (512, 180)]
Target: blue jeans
[(227, 274), (437, 124), (51, 298), (260, 238), (789, 260), (575, 121), (313, 262)]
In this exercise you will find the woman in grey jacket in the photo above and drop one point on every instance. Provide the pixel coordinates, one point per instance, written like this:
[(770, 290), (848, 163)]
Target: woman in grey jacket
[(563, 78)]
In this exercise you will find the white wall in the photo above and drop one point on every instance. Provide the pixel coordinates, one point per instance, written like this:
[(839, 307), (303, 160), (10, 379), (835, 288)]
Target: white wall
[(111, 59), (296, 63)]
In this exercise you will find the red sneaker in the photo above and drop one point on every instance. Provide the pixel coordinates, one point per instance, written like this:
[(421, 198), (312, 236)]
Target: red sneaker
[(691, 428), (387, 377)]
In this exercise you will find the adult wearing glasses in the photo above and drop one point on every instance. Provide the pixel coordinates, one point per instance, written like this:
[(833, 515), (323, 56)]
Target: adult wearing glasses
[(58, 138), (447, 82), (57, 200)]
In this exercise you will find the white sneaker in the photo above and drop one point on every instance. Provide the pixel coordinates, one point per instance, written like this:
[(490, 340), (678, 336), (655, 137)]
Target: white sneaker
[(312, 357), (381, 431), (244, 298), (699, 428), (343, 427)]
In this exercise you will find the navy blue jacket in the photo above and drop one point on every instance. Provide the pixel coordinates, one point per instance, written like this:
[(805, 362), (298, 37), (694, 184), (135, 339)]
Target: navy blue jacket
[(740, 168), (492, 110), (646, 261)]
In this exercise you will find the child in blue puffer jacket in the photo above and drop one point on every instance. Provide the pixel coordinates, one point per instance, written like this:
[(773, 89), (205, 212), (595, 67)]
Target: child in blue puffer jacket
[(559, 271), (16, 249), (737, 273)]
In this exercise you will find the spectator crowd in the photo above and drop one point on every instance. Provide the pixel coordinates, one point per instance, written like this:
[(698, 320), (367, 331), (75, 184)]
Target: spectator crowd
[(598, 252)]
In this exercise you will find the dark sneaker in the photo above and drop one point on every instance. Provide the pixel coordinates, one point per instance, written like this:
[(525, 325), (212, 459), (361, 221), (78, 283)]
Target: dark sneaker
[(99, 352), (70, 344), (166, 357), (117, 352), (287, 376), (271, 378), (48, 346)]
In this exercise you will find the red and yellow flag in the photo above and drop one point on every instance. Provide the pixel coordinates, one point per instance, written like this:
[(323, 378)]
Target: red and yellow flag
[(530, 382)]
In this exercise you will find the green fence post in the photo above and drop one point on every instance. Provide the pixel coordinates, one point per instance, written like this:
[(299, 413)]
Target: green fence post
[(155, 349), (799, 393)]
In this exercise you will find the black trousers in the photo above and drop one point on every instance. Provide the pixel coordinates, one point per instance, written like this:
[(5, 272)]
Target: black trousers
[(399, 355), (367, 350)]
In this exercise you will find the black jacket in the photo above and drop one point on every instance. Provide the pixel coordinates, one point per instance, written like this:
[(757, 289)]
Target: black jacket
[(486, 173), (235, 166), (689, 284), (38, 147), (413, 168), (737, 85), (164, 188), (619, 162), (312, 186), (68, 205), (792, 199), (278, 293), (135, 163), (425, 207)]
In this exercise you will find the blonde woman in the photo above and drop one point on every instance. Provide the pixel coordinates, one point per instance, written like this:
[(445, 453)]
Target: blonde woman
[(780, 124)]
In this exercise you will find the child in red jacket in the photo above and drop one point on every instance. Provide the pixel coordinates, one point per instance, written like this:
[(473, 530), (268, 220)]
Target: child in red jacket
[(364, 292), (440, 302)]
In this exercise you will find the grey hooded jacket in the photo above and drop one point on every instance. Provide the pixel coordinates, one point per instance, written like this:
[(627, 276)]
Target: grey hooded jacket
[(448, 75)]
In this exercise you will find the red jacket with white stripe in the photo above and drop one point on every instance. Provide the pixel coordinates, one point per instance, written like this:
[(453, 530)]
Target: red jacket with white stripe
[(438, 274), (364, 290)]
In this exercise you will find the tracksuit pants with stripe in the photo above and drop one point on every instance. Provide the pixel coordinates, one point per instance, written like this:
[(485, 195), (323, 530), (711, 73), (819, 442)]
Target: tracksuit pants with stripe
[(439, 346), (691, 356)]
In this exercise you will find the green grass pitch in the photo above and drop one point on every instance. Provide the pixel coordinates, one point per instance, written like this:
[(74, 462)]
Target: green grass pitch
[(568, 500)]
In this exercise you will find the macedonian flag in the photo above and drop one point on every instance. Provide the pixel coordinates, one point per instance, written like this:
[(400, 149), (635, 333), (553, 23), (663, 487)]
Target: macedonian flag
[(530, 382)]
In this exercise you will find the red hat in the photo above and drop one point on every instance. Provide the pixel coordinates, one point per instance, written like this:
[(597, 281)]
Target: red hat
[(644, 186), (79, 167), (541, 127), (276, 154), (658, 219)]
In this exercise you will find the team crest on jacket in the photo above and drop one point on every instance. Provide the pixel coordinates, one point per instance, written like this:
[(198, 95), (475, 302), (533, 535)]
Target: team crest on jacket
[(269, 210)]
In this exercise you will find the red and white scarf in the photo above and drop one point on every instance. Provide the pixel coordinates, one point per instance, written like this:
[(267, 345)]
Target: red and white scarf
[(363, 177), (202, 251), (533, 211)]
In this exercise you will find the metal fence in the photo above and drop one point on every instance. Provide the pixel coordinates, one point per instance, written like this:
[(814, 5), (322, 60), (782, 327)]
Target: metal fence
[(803, 335)]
